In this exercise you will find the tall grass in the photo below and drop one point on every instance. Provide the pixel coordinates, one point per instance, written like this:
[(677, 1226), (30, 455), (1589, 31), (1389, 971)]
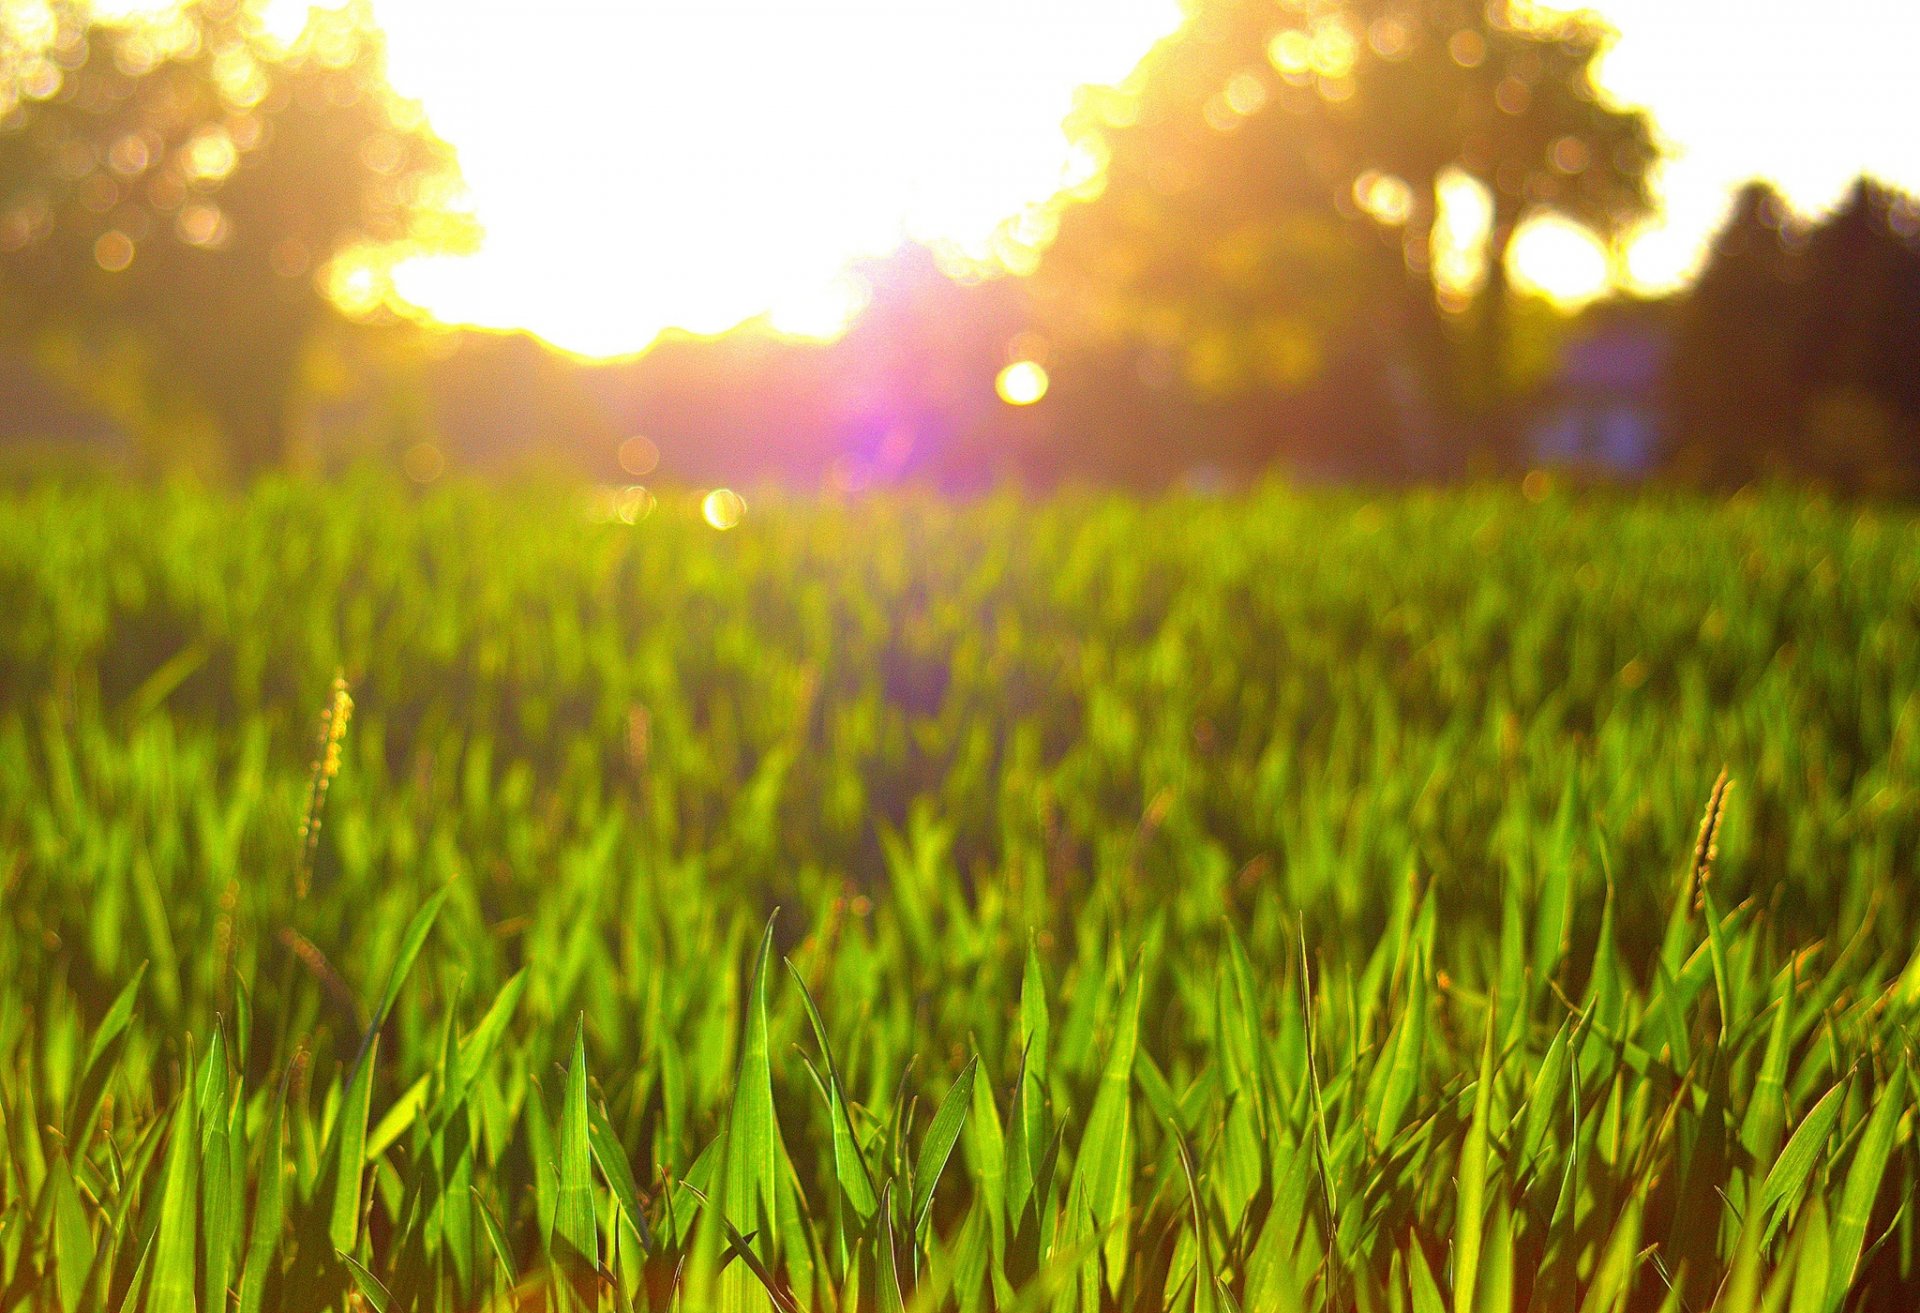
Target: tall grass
[(1268, 903)]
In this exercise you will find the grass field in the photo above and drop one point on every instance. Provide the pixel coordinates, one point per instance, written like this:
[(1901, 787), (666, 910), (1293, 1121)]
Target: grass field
[(1278, 902)]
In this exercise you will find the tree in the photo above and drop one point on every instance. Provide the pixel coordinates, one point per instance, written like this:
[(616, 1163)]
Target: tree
[(183, 198), (1274, 176), (1859, 342), (1734, 401), (1799, 347)]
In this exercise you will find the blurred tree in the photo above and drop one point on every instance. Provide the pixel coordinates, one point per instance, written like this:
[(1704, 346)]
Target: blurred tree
[(1858, 286), (1734, 400), (1799, 347), (1274, 179), (186, 203)]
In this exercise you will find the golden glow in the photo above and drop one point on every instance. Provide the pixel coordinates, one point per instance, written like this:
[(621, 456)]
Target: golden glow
[(628, 505), (355, 285), (1550, 256), (1467, 47), (114, 251), (1291, 52), (202, 224), (690, 164), (1559, 260), (722, 508), (1385, 197), (211, 155), (1460, 232), (696, 165), (1022, 383), (823, 314)]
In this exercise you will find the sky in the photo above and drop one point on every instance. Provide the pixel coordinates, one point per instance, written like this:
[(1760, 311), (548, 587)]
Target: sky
[(639, 164), (696, 163), (1811, 95)]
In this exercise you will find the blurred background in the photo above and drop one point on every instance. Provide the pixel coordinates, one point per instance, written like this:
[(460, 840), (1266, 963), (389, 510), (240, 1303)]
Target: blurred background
[(833, 247)]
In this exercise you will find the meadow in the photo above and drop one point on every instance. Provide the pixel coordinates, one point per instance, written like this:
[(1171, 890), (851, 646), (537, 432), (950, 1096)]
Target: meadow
[(1274, 902)]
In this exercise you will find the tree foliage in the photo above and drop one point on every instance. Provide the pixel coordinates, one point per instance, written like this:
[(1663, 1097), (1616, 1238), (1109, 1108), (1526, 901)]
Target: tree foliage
[(1798, 351), (184, 200), (1274, 176)]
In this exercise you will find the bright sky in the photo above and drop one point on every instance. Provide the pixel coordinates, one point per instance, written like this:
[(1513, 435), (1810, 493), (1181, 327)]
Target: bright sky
[(1811, 96), (637, 164), (643, 163)]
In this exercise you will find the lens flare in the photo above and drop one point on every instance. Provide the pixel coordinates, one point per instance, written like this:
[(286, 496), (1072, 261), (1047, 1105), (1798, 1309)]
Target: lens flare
[(722, 508), (1022, 383)]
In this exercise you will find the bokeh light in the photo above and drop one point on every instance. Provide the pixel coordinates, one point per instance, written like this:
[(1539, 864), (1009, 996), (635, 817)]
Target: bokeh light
[(1560, 260), (1386, 197), (1022, 383), (639, 456), (113, 251), (633, 504), (202, 224), (722, 508), (423, 462)]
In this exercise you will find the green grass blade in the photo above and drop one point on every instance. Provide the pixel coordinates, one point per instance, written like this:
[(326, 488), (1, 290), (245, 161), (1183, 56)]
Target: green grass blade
[(1796, 1161), (617, 1171), (575, 1232), (368, 1285), (938, 1144), (1103, 1170), (1863, 1184), (850, 1168), (108, 1040), (411, 942), (268, 1210), (347, 1156), (171, 1281), (1470, 1203), (72, 1236), (750, 1169)]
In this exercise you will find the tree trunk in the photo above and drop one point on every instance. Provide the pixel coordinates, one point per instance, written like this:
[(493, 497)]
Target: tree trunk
[(1428, 360), (1499, 447), (250, 392), (258, 436)]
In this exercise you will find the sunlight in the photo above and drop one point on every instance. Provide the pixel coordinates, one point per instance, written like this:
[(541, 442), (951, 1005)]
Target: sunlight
[(1767, 89), (1559, 260), (1022, 383), (698, 165), (693, 165), (824, 313)]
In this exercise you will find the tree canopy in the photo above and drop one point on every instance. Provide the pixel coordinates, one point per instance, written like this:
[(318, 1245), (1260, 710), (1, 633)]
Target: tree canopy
[(185, 200), (1798, 349), (1274, 177)]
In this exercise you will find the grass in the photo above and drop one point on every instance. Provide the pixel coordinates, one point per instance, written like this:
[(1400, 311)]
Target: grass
[(1269, 903)]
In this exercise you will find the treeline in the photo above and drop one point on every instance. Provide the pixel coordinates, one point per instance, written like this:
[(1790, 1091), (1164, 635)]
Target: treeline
[(1269, 266), (1798, 350), (1794, 356), (186, 207)]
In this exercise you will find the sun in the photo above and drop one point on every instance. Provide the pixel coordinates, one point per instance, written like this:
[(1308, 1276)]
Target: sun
[(695, 164)]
